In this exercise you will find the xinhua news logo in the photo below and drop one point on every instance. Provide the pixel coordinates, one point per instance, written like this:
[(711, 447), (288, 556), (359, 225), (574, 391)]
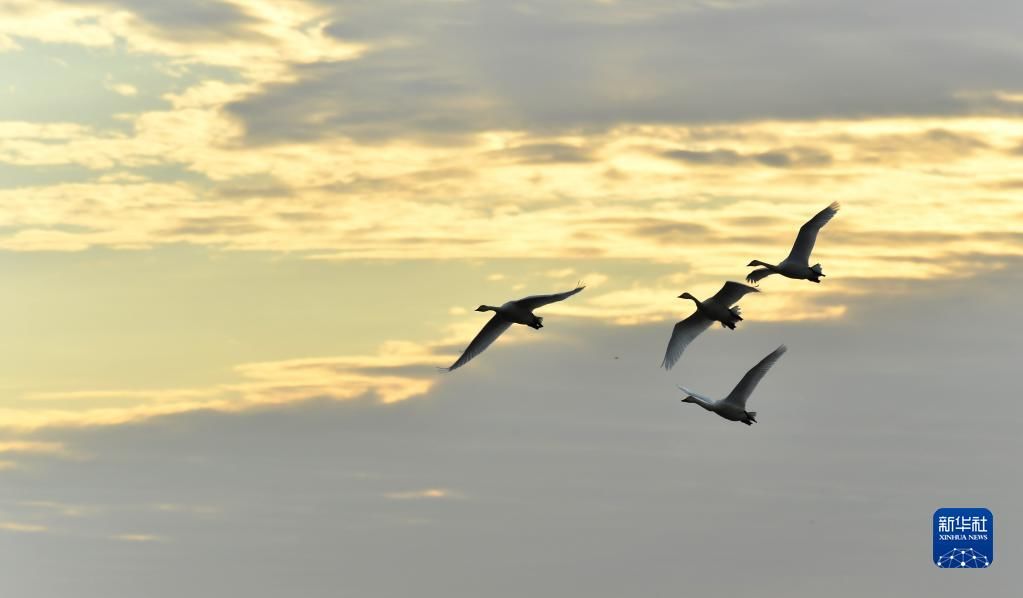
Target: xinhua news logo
[(964, 538)]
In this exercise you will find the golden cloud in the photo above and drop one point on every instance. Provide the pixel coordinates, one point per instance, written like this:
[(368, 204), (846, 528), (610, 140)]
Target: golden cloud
[(424, 494), (23, 528), (398, 371)]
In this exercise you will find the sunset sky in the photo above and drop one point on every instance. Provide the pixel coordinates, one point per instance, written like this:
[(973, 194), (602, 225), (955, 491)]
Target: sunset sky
[(237, 237)]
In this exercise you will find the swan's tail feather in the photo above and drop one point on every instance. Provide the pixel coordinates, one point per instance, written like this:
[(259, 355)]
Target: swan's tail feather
[(817, 269), (752, 415)]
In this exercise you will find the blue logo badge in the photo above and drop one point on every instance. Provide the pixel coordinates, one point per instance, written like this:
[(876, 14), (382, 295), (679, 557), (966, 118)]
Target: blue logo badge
[(964, 538)]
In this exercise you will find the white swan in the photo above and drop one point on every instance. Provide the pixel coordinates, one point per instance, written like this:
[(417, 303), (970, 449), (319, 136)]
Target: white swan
[(716, 309), (733, 407), (519, 311), (797, 264)]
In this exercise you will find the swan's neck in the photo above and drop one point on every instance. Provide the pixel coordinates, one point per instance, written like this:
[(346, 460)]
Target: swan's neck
[(702, 402)]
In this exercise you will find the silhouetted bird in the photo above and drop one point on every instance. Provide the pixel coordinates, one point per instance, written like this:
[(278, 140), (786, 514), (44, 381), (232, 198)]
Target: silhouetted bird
[(733, 407), (715, 309), (797, 264), (519, 311)]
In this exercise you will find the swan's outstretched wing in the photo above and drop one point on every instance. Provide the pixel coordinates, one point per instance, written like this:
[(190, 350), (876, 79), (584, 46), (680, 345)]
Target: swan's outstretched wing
[(484, 339), (731, 293), (683, 334), (745, 387), (757, 275), (534, 301), (808, 234)]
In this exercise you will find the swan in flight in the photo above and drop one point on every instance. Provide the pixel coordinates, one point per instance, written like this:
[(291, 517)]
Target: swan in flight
[(733, 407), (797, 264), (716, 309), (519, 311)]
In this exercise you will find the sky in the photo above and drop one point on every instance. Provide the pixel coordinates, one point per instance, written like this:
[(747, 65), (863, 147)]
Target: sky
[(237, 238)]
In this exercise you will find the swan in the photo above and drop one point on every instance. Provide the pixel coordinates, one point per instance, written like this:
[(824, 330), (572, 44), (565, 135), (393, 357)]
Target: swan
[(519, 311), (715, 309), (797, 264), (733, 407)]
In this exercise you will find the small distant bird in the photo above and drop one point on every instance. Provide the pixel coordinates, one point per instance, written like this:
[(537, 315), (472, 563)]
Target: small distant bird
[(733, 407), (797, 264), (716, 309), (519, 311)]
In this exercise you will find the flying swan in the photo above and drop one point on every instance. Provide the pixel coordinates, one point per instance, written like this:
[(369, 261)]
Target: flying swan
[(733, 407), (797, 264), (716, 309), (519, 311)]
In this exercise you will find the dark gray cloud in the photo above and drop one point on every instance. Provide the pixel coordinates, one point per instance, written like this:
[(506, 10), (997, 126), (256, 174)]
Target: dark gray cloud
[(216, 225), (445, 69), (778, 158), (668, 230), (252, 186), (588, 473), (391, 93), (546, 153), (717, 157), (185, 19)]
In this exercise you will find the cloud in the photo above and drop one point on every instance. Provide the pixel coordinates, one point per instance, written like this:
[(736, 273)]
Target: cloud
[(425, 494), (26, 446), (400, 371), (260, 40), (15, 453), (22, 528), (7, 44), (583, 66), (777, 158), (546, 153), (188, 19), (453, 202), (125, 89), (65, 510), (726, 157)]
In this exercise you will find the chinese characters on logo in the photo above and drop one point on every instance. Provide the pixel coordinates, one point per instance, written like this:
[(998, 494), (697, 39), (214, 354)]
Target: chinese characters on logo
[(961, 523)]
